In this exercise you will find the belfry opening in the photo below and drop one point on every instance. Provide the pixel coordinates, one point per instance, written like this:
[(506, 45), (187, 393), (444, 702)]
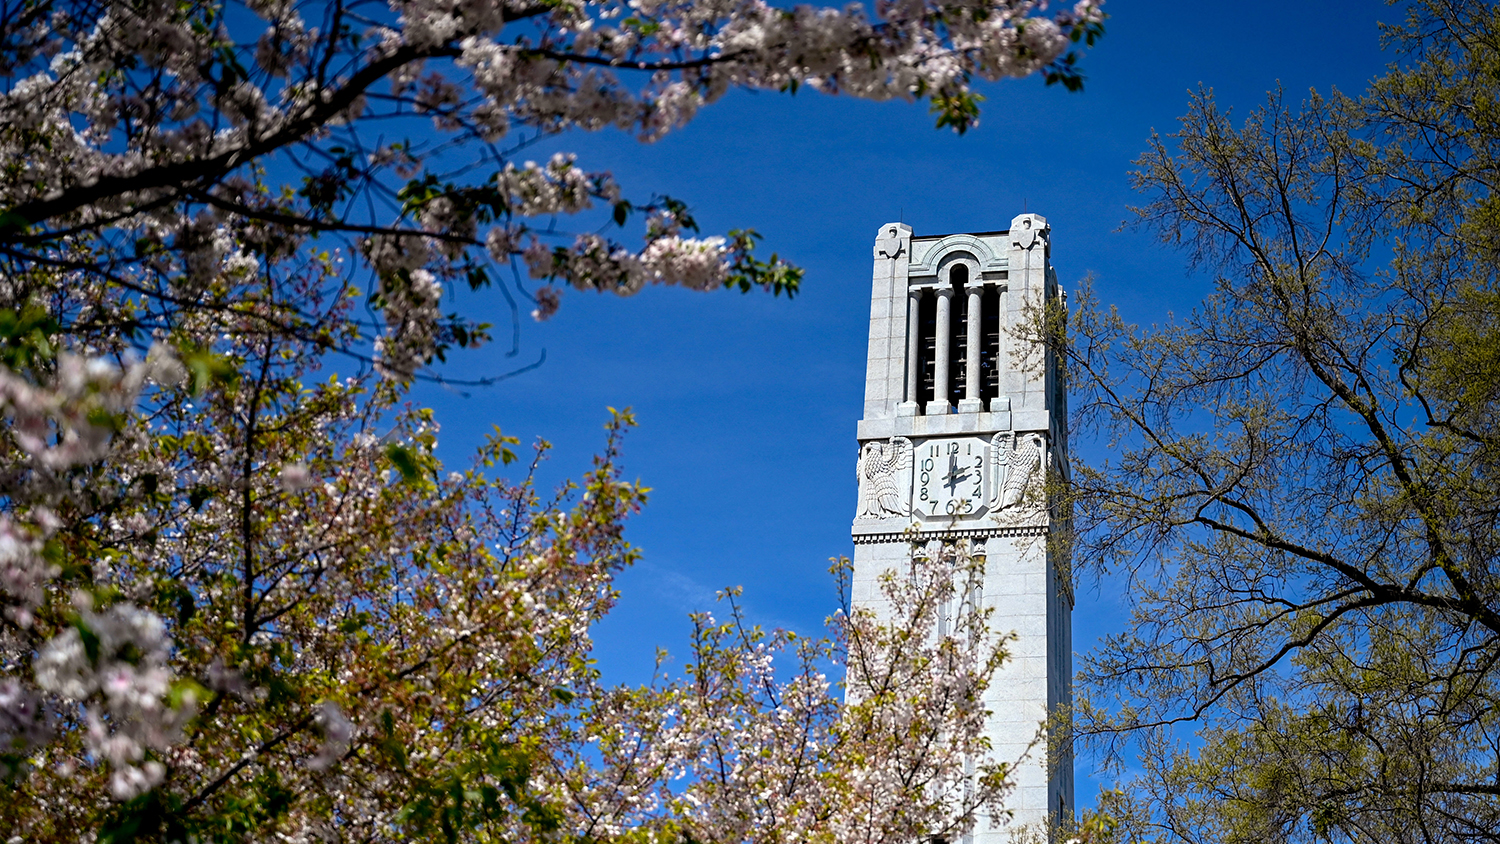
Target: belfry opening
[(953, 320)]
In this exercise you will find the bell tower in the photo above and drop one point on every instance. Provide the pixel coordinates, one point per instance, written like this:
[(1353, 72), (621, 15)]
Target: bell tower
[(974, 416)]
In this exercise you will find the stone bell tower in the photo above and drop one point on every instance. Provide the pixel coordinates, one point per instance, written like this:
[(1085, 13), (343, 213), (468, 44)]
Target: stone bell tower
[(962, 422)]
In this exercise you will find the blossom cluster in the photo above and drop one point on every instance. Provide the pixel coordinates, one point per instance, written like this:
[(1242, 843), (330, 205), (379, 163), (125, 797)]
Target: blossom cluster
[(70, 422), (117, 660), (57, 426), (411, 312), (559, 187), (123, 666), (23, 722), (141, 123), (593, 263)]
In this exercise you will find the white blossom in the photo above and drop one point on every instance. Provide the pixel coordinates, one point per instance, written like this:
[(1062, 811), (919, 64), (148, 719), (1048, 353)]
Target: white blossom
[(23, 723), (338, 732), (411, 314), (115, 663)]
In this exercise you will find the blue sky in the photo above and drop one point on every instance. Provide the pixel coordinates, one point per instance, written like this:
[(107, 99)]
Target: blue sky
[(747, 404)]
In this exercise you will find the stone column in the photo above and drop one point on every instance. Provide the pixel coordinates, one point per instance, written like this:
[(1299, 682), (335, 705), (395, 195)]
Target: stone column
[(971, 402), (939, 404), (910, 407)]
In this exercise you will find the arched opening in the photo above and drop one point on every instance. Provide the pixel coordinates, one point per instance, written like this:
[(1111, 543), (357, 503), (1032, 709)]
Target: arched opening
[(990, 363), (927, 346), (958, 331)]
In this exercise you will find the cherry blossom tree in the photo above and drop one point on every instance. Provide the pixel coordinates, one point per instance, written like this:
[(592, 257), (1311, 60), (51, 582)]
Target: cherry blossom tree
[(155, 146), (240, 598)]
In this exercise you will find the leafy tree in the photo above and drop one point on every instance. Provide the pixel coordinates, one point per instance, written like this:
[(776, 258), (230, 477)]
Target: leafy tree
[(240, 598), (1302, 486)]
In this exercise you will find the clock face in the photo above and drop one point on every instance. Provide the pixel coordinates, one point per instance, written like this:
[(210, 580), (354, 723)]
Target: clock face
[(949, 478)]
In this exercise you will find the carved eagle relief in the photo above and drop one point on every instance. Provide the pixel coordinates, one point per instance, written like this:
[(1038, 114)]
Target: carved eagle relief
[(1019, 463), (879, 471)]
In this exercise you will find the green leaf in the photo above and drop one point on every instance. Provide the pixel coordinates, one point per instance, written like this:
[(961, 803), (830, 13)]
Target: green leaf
[(199, 496), (405, 461), (208, 368), (478, 277), (959, 111), (140, 819), (13, 223), (90, 640), (183, 690), (23, 336)]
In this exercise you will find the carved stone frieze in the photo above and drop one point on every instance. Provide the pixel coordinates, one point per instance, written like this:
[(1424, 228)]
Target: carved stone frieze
[(1019, 466), (1028, 232), (884, 472), (876, 538), (891, 244)]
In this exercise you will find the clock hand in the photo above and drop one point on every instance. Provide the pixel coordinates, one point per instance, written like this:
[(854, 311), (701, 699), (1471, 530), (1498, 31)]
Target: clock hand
[(954, 476)]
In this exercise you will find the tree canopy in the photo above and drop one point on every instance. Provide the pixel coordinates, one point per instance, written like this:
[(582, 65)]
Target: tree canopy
[(1301, 487)]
